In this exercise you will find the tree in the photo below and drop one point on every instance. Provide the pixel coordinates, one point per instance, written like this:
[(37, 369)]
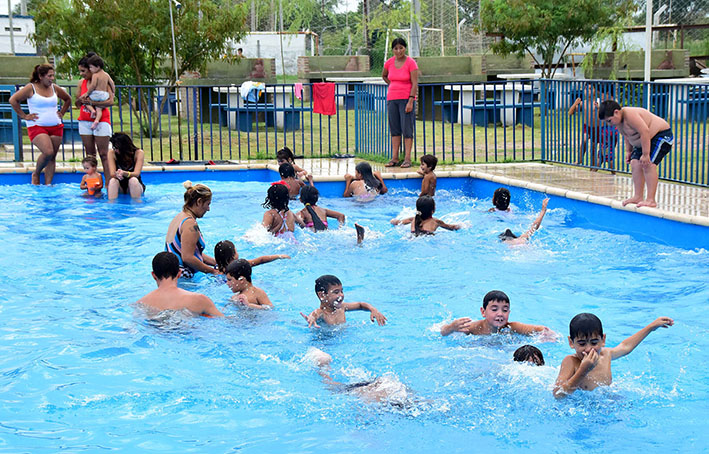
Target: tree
[(547, 27), (134, 37)]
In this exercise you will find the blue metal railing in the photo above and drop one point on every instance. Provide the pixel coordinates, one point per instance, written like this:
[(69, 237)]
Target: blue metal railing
[(458, 122)]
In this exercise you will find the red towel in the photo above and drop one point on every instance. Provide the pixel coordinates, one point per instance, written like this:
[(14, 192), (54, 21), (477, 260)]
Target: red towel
[(324, 98)]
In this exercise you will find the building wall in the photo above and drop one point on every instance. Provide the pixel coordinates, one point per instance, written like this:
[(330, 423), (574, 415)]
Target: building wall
[(23, 27), (268, 45)]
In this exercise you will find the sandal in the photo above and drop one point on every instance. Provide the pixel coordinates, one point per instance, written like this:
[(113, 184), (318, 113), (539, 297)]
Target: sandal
[(406, 164), (392, 163)]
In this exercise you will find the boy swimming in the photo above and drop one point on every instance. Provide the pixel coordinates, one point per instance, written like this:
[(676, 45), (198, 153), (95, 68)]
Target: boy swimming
[(332, 309), (238, 278), (495, 311), (590, 366)]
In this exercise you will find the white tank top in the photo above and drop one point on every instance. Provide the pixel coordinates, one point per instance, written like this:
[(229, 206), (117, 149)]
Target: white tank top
[(45, 108)]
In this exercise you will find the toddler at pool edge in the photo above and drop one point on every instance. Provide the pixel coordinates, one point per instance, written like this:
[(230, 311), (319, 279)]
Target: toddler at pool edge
[(428, 183), (238, 278), (92, 180), (495, 311), (590, 366), (332, 309), (225, 253), (168, 296)]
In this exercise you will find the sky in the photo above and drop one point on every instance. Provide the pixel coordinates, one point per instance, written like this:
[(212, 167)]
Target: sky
[(3, 5)]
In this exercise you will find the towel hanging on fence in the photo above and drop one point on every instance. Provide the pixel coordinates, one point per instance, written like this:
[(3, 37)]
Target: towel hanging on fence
[(251, 91), (298, 90), (324, 98)]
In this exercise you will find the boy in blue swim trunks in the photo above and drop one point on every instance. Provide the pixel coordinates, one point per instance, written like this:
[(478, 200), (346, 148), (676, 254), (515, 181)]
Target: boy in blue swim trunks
[(648, 139)]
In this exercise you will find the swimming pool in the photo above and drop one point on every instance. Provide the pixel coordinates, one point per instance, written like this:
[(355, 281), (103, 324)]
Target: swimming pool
[(82, 371)]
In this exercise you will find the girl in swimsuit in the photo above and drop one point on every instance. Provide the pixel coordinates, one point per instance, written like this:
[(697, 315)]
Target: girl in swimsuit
[(285, 155), (279, 220), (424, 223), (312, 215), (287, 173), (364, 185), (91, 181), (184, 239)]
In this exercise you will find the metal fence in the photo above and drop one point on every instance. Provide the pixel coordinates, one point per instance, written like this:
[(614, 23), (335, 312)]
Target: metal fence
[(458, 122)]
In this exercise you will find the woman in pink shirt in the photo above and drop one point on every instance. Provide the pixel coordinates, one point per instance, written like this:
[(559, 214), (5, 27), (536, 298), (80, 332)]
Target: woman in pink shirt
[(401, 73)]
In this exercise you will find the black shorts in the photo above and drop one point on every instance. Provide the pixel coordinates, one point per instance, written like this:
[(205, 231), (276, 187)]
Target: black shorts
[(124, 184), (660, 145), (400, 122)]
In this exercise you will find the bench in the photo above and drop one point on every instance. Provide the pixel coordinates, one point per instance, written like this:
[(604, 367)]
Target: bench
[(449, 108), (697, 106), (246, 114), (489, 111)]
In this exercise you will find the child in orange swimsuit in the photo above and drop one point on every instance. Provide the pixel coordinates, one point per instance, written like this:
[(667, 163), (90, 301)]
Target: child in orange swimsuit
[(92, 180)]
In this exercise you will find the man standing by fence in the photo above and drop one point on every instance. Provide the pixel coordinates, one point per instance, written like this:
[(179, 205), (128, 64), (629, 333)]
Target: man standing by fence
[(648, 139)]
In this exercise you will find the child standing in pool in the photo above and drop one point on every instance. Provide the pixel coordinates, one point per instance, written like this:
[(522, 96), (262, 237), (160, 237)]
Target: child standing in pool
[(424, 223), (364, 185), (332, 309), (428, 183), (590, 366), (92, 180), (294, 185), (285, 155), (238, 278), (279, 220), (225, 253), (496, 312), (313, 216), (501, 200)]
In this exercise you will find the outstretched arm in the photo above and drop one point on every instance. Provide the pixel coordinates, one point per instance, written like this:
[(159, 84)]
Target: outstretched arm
[(443, 225), (374, 313), (267, 259), (402, 221), (460, 325), (313, 318), (537, 222), (629, 344), (527, 329), (335, 214)]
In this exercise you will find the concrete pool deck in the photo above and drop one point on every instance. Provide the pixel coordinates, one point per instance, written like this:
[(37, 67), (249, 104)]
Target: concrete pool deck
[(677, 202)]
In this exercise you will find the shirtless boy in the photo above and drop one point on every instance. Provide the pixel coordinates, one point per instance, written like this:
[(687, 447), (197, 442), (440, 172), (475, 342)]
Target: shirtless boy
[(166, 270), (100, 88), (332, 309), (238, 278), (590, 366), (648, 139), (495, 312), (428, 184), (591, 124)]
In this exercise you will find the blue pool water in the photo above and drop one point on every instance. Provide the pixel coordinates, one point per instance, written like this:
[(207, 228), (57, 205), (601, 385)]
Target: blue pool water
[(82, 371)]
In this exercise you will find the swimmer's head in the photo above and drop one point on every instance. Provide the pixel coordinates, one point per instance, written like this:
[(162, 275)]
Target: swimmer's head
[(309, 195), (224, 254), (363, 171), (285, 155), (329, 290), (197, 195), (530, 354), (585, 325), (495, 295), (286, 170), (89, 163), (165, 266), (429, 161), (277, 197), (496, 309), (507, 235), (238, 270), (501, 199), (425, 207)]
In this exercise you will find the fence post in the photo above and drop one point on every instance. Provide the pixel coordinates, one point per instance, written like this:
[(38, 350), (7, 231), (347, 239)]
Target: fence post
[(542, 120)]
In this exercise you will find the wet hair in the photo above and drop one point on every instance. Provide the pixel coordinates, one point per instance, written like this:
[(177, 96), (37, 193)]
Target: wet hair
[(239, 268), (507, 235), (90, 160), (585, 324), (607, 109), (277, 197), (396, 41), (370, 180), (495, 295), (429, 160), (325, 282), (195, 193), (84, 61), (501, 199), (40, 71), (166, 265), (224, 252), (285, 154), (286, 170), (425, 206), (527, 352), (309, 197), (95, 60)]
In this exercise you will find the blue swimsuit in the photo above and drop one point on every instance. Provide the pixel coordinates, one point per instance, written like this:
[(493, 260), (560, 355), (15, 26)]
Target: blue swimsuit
[(176, 248)]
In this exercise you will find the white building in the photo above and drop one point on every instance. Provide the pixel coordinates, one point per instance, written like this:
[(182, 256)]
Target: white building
[(22, 28), (268, 45)]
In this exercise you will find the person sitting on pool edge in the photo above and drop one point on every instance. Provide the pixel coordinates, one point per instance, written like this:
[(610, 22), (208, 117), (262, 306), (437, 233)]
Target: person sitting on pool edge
[(166, 271), (590, 366), (332, 309), (495, 311)]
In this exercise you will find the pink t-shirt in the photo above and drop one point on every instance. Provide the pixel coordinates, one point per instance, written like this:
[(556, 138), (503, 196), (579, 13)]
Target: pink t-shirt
[(400, 78)]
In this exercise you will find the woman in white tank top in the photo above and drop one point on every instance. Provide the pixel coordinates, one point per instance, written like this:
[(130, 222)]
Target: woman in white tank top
[(44, 122)]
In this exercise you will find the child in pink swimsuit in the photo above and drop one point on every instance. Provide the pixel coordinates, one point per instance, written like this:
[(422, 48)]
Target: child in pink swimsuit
[(279, 220), (313, 216)]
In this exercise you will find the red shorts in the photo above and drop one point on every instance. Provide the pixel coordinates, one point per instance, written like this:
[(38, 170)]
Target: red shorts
[(34, 131)]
